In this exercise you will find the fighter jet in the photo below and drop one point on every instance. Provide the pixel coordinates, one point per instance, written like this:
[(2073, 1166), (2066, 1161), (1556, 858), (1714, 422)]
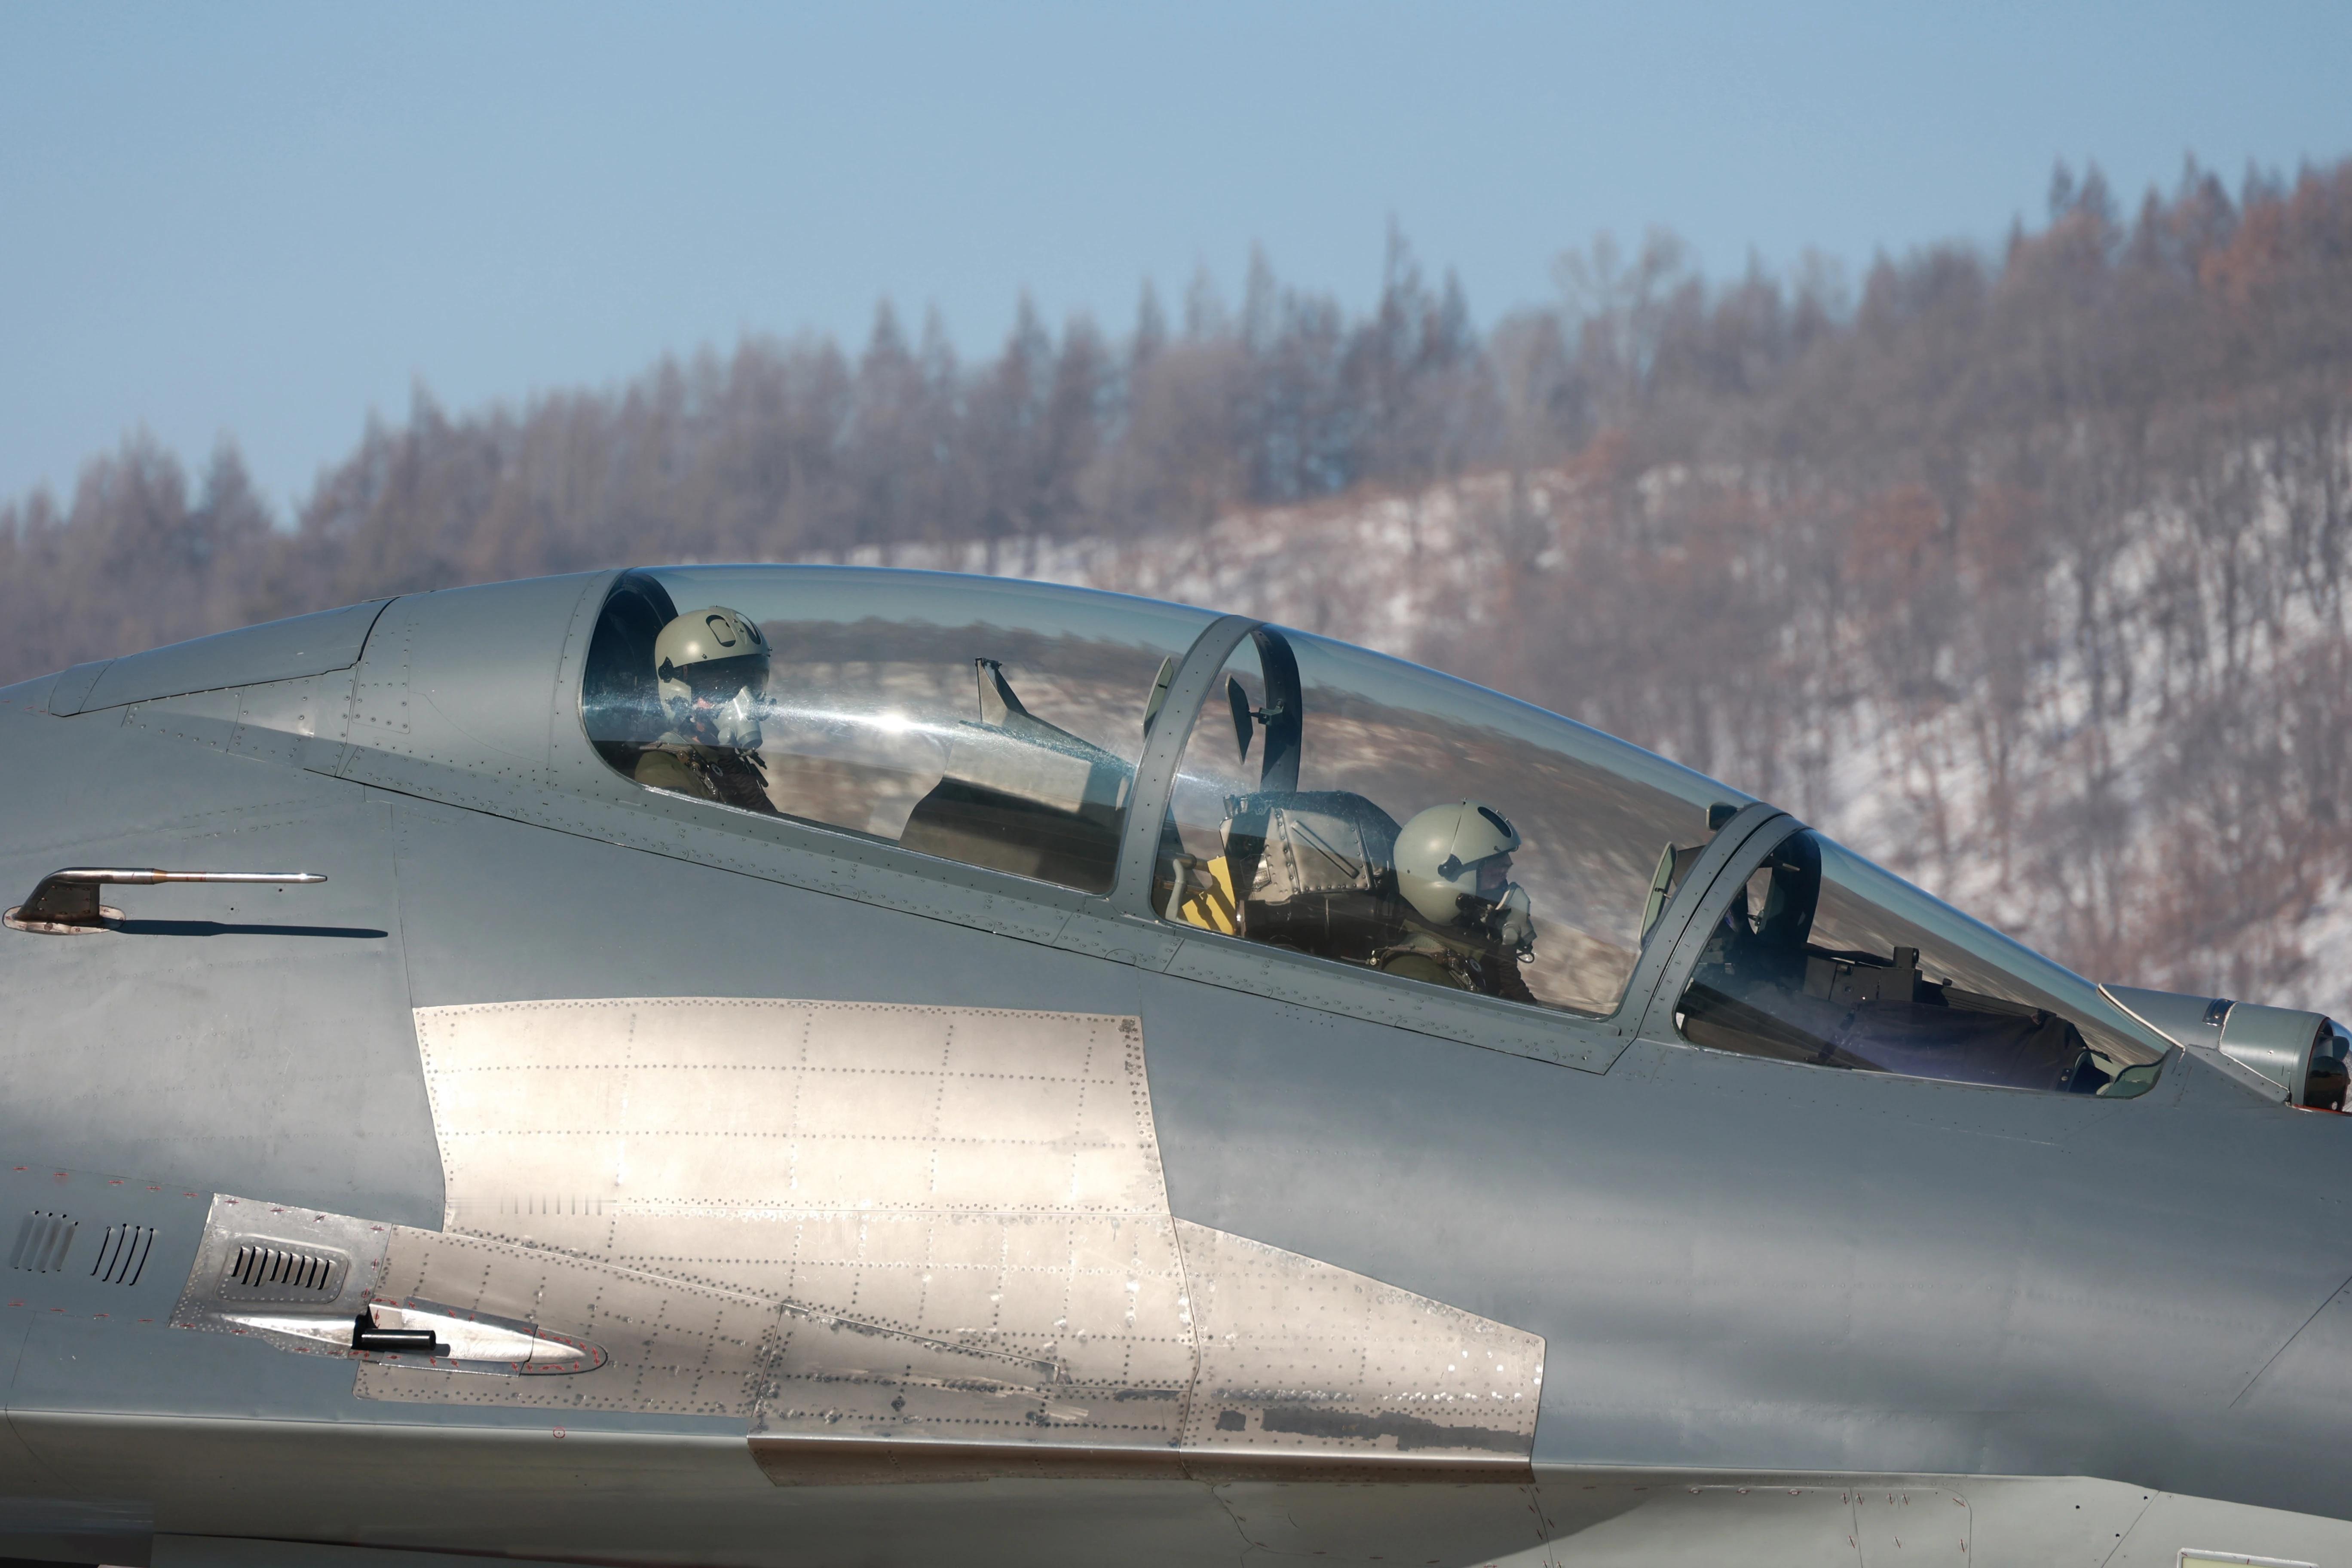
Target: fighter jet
[(796, 1065)]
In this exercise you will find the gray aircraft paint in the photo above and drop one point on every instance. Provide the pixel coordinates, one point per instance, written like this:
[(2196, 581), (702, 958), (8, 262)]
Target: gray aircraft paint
[(1746, 1273)]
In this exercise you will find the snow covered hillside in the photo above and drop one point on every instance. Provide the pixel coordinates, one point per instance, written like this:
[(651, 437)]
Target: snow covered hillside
[(2130, 755)]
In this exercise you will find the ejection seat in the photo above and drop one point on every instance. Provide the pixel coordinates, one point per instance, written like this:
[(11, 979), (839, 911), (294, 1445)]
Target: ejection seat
[(1310, 869)]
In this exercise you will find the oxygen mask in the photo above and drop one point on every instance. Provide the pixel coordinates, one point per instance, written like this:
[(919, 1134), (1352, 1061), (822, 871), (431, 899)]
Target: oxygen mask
[(735, 723), (1507, 919), (1514, 923)]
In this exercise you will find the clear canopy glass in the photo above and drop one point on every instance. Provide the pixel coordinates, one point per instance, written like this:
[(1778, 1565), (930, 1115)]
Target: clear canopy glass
[(994, 722), (1824, 957), (1373, 811), (1328, 800)]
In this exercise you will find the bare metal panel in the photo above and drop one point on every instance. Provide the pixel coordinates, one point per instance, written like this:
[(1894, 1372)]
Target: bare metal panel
[(298, 1280), (940, 1231), (959, 1213), (1298, 1354), (678, 1345), (674, 1346)]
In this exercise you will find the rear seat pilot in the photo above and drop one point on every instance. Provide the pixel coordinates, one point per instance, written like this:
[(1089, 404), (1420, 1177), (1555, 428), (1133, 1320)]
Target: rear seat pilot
[(711, 666), (1467, 925)]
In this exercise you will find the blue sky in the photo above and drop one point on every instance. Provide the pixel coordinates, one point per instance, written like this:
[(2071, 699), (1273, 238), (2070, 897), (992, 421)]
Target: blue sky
[(268, 220)]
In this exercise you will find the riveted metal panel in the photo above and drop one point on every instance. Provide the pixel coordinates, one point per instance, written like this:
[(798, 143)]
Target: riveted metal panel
[(207, 719), (218, 1299), (302, 723), (676, 1346), (913, 1225), (1297, 1354), (380, 688), (965, 1204)]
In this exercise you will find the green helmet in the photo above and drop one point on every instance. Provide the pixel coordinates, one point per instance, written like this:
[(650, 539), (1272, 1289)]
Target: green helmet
[(1439, 855), (708, 659)]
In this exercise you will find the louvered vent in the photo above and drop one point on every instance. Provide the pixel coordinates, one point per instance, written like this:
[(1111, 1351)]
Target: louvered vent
[(123, 1254), (42, 1241), (276, 1271)]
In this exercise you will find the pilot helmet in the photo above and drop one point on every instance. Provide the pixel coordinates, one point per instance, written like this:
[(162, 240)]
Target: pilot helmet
[(712, 665), (1441, 854)]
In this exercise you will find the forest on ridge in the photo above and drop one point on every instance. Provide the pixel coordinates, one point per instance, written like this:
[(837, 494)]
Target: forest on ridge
[(2025, 570)]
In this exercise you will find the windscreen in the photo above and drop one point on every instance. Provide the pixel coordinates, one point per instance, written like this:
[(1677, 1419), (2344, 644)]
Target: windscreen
[(1824, 958)]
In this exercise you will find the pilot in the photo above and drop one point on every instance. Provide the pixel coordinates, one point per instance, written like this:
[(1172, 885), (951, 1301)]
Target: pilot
[(1467, 925), (712, 667)]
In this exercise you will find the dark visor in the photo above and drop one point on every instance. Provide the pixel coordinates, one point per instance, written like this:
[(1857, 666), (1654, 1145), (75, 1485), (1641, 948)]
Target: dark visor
[(719, 677)]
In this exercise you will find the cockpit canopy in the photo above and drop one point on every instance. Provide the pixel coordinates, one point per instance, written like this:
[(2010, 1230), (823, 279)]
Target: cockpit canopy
[(1320, 798)]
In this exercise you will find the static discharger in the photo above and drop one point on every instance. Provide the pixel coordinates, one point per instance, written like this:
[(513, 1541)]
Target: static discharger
[(65, 903)]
